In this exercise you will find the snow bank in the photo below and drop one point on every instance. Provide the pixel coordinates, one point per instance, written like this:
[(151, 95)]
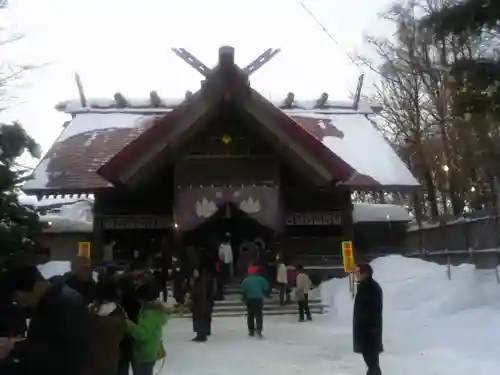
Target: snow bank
[(54, 268), (368, 212), (434, 312), (57, 268)]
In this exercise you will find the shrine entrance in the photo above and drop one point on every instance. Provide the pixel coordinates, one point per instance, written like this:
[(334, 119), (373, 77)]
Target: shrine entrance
[(227, 222)]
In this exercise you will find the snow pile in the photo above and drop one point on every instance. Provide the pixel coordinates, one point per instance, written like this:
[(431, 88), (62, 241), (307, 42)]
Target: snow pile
[(421, 303), (368, 212), (57, 268), (54, 268), (76, 217)]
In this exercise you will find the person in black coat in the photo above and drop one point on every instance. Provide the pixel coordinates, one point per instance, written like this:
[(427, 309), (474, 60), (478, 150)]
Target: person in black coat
[(12, 322), (57, 340), (202, 303), (80, 278), (12, 317), (131, 306), (367, 319)]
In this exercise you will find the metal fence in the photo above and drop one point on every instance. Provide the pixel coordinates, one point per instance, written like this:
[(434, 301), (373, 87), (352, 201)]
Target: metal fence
[(472, 240)]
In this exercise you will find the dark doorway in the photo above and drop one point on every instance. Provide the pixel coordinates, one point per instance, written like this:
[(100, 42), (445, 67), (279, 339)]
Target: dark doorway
[(230, 221)]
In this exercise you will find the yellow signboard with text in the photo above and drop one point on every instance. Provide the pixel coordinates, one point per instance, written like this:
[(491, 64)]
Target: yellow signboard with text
[(84, 249), (348, 256)]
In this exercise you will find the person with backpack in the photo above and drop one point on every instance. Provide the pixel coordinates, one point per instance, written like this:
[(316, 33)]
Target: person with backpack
[(146, 332), (253, 290), (107, 329)]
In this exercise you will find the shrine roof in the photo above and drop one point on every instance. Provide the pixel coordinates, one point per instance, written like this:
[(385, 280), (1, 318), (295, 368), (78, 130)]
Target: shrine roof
[(99, 130)]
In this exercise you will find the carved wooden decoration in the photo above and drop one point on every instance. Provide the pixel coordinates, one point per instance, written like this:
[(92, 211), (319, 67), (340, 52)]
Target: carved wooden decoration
[(314, 219), (124, 222)]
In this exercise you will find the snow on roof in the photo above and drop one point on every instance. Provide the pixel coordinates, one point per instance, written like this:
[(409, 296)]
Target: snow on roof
[(52, 201), (367, 212), (86, 143), (92, 138), (93, 122), (75, 217), (364, 148), (143, 105)]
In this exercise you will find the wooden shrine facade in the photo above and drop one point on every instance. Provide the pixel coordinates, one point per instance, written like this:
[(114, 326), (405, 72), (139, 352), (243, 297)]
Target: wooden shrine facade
[(223, 152)]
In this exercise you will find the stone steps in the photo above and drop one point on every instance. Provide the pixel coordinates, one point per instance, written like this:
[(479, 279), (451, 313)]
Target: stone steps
[(233, 306), (221, 314), (228, 302)]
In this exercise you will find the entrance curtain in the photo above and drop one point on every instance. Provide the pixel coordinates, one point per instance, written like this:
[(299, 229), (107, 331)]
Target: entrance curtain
[(194, 205)]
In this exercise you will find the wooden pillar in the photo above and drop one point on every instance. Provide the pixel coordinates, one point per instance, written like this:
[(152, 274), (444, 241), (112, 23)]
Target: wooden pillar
[(348, 222), (97, 242), (166, 264)]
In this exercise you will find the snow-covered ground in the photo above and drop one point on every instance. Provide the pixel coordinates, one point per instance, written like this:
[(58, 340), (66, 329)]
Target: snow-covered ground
[(432, 326)]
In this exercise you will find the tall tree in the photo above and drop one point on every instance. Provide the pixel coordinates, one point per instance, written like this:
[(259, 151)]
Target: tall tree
[(477, 82), (19, 225), (427, 111)]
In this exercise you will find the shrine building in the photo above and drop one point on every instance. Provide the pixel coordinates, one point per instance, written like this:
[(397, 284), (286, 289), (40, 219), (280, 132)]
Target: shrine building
[(170, 174)]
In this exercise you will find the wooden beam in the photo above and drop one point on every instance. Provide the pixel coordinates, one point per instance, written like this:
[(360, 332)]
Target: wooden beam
[(192, 61), (260, 61)]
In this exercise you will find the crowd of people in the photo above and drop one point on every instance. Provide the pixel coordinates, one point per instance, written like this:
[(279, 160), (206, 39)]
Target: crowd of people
[(79, 326)]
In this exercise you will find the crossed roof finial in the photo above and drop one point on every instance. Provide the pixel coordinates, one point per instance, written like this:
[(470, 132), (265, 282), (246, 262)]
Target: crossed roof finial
[(201, 68)]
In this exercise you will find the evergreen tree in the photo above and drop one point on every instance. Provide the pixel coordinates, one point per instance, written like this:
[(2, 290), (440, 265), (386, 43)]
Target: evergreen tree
[(19, 224)]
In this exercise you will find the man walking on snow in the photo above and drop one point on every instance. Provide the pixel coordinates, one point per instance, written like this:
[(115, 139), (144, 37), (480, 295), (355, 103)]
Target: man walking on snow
[(253, 289), (367, 319)]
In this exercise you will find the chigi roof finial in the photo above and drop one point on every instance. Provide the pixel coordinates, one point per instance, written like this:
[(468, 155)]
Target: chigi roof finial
[(81, 93)]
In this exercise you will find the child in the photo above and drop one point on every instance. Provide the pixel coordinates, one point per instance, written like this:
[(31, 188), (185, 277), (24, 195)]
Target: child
[(303, 286), (147, 346)]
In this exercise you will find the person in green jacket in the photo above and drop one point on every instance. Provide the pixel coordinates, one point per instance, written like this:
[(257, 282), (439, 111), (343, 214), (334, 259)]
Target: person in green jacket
[(253, 290), (147, 332)]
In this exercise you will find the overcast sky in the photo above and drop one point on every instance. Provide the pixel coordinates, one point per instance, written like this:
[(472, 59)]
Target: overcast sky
[(124, 45)]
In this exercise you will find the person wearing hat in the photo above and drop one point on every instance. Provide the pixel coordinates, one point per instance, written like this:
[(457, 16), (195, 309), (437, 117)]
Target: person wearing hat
[(254, 289), (57, 340)]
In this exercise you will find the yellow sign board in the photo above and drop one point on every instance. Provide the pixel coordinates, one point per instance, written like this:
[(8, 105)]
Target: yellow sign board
[(348, 256), (84, 249)]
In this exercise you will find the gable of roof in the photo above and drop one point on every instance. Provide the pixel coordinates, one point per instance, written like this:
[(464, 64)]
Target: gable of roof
[(228, 85)]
